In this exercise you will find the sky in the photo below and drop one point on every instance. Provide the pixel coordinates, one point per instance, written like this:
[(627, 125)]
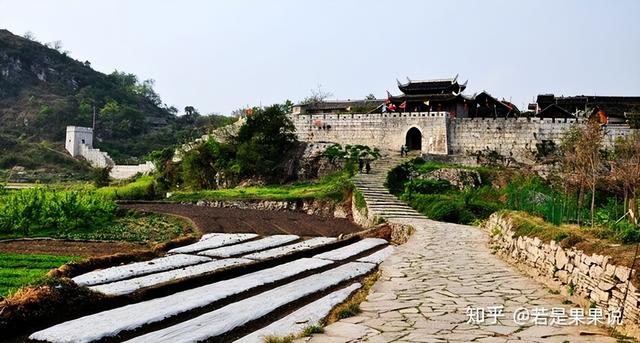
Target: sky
[(219, 56)]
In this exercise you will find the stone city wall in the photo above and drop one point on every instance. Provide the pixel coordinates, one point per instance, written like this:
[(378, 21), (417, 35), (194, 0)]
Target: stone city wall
[(120, 171), (515, 138), (95, 157), (586, 279), (384, 131), (512, 137)]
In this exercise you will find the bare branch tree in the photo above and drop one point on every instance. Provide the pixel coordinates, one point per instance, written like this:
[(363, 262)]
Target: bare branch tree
[(625, 171), (317, 96), (583, 162)]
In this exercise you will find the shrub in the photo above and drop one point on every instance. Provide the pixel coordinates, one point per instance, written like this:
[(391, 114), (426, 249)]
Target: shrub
[(100, 176), (626, 232), (428, 186), (400, 174)]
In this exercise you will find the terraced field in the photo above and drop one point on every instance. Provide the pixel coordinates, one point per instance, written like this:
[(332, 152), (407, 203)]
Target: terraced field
[(224, 288)]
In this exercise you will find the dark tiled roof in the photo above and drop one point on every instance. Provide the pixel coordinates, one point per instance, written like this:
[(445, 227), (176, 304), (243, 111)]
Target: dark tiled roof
[(554, 111), (425, 97), (614, 106), (341, 104), (431, 86)]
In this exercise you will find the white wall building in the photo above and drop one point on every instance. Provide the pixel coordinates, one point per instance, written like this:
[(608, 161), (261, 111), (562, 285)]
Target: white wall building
[(79, 143)]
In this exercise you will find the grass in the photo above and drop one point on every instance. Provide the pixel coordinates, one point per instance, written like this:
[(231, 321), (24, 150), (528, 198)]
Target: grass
[(17, 270), (132, 227), (334, 187), (360, 202), (525, 224), (143, 188), (279, 339), (306, 332), (352, 306), (312, 330)]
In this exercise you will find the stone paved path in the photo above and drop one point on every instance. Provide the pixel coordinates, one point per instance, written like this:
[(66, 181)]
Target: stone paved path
[(428, 283)]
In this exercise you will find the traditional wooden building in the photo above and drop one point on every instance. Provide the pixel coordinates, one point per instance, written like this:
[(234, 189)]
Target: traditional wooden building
[(445, 95), (442, 96), (610, 109)]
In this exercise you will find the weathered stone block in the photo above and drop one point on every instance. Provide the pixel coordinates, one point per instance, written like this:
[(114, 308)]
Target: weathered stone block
[(622, 273), (561, 259), (563, 276), (605, 285), (595, 271), (597, 259), (609, 270)]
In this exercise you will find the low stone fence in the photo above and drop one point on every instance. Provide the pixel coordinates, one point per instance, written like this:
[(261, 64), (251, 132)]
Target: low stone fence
[(588, 280), (397, 233), (313, 207)]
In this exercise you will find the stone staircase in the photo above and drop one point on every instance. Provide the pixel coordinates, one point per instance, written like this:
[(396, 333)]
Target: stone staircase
[(380, 202)]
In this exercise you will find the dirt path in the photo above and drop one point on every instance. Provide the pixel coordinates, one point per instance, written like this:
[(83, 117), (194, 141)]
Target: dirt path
[(232, 220)]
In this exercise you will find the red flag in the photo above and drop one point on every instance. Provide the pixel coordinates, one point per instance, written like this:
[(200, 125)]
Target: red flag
[(403, 105), (391, 107)]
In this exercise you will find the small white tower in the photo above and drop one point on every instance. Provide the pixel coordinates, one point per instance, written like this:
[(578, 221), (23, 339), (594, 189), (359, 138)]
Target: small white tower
[(77, 136)]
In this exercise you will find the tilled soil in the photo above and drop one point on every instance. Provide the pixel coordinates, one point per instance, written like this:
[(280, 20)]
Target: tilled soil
[(233, 220), (66, 247)]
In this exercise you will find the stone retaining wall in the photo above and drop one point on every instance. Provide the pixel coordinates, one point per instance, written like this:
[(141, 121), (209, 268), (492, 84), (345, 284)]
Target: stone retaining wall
[(312, 207), (399, 233), (585, 279)]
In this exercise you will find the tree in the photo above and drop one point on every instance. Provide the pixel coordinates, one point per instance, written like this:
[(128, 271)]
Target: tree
[(30, 36), (370, 97), (190, 111), (263, 140), (317, 96), (625, 170), (582, 160)]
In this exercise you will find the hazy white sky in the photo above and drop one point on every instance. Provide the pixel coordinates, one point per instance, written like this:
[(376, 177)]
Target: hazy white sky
[(222, 55)]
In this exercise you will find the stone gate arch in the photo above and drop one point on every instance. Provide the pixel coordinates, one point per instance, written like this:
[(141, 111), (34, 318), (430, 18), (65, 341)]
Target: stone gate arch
[(413, 138)]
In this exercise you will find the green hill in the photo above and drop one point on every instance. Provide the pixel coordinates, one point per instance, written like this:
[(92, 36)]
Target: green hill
[(42, 90)]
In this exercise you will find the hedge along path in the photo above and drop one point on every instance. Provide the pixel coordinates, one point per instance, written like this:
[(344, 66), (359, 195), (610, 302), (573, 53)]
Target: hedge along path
[(291, 248), (212, 241), (232, 316), (131, 317), (137, 269), (129, 286), (243, 248), (307, 315), (352, 249)]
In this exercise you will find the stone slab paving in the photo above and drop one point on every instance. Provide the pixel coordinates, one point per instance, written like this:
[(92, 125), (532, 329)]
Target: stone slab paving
[(428, 283)]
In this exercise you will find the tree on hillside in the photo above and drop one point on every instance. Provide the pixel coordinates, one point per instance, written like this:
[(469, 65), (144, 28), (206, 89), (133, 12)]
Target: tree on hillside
[(30, 36), (625, 170), (582, 161), (190, 111), (371, 96)]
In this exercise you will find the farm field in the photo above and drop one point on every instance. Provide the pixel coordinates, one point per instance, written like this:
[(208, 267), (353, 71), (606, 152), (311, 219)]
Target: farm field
[(244, 293), (17, 270)]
